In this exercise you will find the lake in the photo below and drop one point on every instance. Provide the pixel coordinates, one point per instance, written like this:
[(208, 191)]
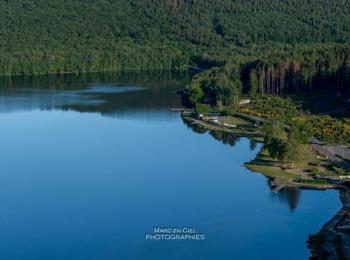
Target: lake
[(92, 164)]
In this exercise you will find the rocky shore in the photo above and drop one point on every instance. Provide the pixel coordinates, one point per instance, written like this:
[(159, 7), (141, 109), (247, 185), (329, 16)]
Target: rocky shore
[(333, 240)]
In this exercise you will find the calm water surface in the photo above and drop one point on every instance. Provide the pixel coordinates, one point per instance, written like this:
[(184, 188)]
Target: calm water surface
[(91, 164)]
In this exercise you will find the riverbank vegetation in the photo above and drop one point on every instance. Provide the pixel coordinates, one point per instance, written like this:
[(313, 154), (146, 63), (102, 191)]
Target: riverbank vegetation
[(287, 130), (286, 158), (288, 126), (324, 127)]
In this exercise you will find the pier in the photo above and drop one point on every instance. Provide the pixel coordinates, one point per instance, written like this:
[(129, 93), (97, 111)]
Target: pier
[(175, 109), (278, 188)]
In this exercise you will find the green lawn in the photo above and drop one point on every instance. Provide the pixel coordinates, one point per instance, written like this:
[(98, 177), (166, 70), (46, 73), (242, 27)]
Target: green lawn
[(282, 176), (233, 120), (272, 168)]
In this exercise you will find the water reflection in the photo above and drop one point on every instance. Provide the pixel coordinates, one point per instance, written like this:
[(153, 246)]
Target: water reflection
[(196, 128), (224, 137), (93, 178), (110, 94), (252, 144), (290, 196)]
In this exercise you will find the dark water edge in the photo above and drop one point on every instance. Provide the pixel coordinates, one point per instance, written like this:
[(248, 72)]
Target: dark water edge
[(67, 91), (333, 239), (73, 81)]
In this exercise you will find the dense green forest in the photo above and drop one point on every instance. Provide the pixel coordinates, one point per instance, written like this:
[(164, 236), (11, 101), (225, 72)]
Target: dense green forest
[(44, 36)]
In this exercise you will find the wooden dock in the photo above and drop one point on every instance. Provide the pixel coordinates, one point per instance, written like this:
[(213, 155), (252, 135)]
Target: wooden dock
[(278, 188), (180, 109)]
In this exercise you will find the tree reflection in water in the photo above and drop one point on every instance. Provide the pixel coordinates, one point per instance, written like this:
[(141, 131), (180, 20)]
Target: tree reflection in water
[(253, 144), (290, 195), (109, 94), (224, 137)]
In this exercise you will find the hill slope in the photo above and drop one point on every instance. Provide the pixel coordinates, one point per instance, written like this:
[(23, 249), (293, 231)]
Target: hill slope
[(44, 36)]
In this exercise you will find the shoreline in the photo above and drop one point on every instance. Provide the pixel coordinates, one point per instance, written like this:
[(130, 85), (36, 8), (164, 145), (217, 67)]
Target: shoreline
[(268, 170), (330, 242)]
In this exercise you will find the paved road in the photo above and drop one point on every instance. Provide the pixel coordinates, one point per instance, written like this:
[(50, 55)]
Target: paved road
[(340, 150), (338, 154)]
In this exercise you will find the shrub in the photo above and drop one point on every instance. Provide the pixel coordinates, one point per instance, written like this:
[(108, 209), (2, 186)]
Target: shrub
[(313, 181), (315, 170), (203, 109)]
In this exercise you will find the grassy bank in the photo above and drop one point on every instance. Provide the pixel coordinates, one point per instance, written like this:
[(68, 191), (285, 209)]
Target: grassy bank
[(300, 173), (244, 127), (286, 174)]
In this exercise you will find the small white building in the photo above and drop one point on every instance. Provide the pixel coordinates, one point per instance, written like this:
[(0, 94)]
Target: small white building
[(244, 102)]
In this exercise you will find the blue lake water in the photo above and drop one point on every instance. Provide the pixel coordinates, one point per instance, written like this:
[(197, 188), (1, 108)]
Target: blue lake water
[(90, 165)]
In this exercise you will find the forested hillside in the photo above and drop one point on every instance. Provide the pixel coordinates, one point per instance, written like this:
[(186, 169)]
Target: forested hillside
[(44, 36), (251, 21)]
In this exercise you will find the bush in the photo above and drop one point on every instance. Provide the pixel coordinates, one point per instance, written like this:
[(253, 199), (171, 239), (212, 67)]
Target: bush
[(313, 181), (315, 170), (328, 128), (338, 170), (229, 111), (275, 107), (203, 109), (313, 163)]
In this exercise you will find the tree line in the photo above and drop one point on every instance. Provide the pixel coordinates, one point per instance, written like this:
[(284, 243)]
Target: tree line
[(308, 68), (68, 36)]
